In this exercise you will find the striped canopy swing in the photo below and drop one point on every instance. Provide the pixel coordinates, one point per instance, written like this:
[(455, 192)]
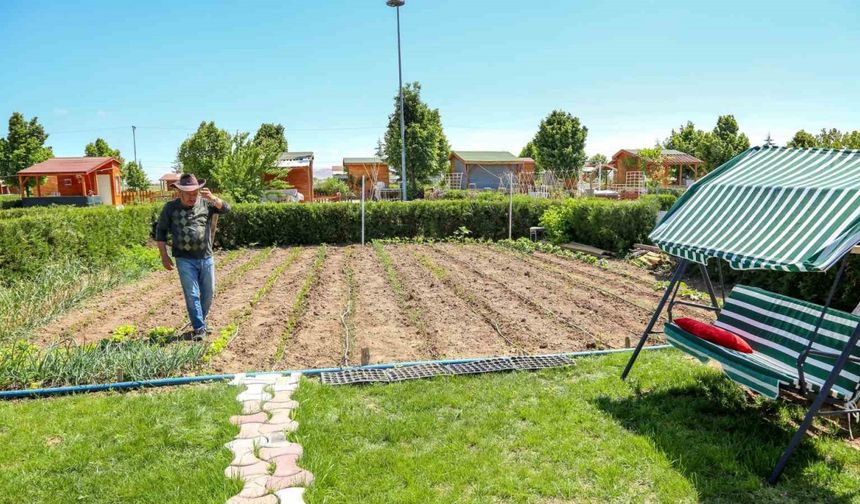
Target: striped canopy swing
[(774, 208)]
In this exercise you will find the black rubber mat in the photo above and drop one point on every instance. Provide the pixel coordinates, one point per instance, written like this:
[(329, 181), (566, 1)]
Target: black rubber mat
[(416, 372), (482, 366), (353, 376), (529, 362)]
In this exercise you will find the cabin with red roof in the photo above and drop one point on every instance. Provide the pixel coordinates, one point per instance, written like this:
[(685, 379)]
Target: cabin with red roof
[(79, 181)]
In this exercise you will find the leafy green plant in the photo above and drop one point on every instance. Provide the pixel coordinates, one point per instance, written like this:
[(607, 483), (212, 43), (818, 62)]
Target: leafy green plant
[(610, 225), (123, 333), (331, 186), (161, 335)]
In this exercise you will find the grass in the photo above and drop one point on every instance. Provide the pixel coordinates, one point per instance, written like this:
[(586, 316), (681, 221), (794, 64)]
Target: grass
[(154, 447), (678, 432)]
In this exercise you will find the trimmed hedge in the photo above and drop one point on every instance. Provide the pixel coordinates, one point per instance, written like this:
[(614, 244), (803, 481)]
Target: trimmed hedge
[(95, 235), (9, 201), (307, 224), (663, 200), (607, 224)]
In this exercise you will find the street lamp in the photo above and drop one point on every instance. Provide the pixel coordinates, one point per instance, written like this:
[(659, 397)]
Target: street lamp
[(397, 4)]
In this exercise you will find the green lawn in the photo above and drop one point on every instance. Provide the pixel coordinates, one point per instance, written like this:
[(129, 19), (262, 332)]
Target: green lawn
[(161, 447), (678, 432)]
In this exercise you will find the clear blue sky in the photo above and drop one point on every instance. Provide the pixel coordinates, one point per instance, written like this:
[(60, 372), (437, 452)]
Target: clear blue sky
[(327, 69)]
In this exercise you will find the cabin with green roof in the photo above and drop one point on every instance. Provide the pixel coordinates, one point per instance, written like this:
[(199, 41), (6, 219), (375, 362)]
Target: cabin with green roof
[(488, 169)]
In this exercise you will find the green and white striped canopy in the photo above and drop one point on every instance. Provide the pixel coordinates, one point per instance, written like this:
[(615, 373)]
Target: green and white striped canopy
[(769, 208)]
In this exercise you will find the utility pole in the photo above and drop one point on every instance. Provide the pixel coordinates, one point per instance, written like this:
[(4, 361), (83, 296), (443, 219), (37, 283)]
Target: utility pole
[(134, 139), (397, 4)]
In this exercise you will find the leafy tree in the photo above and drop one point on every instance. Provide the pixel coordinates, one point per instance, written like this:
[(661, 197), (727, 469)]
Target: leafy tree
[(426, 145), (23, 147), (725, 142), (134, 176), (331, 186), (271, 134), (851, 140), (247, 171), (802, 140), (651, 163), (560, 144), (199, 153), (688, 139), (100, 148), (597, 159)]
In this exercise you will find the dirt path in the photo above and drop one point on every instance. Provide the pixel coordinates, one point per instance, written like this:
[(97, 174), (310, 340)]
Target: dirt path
[(258, 337), (233, 292), (609, 320), (534, 327), (319, 338), (455, 328), (129, 304), (379, 323)]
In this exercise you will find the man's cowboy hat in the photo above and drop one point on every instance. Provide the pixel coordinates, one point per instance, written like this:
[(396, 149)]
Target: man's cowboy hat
[(188, 182)]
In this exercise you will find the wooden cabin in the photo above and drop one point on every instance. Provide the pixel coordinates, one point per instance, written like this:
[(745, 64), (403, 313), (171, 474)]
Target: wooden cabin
[(679, 169), (79, 181), (373, 168), (488, 169), (298, 170)]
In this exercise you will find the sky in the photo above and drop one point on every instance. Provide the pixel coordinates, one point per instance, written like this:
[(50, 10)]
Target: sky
[(327, 70)]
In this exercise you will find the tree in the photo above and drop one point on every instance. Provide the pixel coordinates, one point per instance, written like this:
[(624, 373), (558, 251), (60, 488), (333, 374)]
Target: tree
[(271, 134), (688, 139), (134, 176), (426, 145), (247, 171), (199, 153), (560, 144), (725, 142), (597, 159), (100, 148), (23, 146), (802, 140)]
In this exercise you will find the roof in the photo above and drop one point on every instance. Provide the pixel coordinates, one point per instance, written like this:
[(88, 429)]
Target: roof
[(671, 156), (67, 165), (769, 208), (295, 159), (363, 160), (486, 157), (170, 177)]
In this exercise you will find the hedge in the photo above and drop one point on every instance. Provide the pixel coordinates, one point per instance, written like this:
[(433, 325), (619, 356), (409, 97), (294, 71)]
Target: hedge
[(9, 201), (96, 236), (306, 224), (606, 224)]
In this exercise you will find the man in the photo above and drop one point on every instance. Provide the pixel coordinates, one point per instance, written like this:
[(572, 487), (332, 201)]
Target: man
[(188, 219)]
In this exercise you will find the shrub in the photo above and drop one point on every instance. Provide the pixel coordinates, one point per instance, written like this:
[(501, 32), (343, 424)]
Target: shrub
[(663, 200), (610, 225), (308, 224), (96, 236), (331, 186), (9, 201)]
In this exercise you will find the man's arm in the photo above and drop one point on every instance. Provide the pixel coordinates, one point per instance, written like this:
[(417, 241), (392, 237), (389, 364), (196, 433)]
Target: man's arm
[(220, 205), (161, 230)]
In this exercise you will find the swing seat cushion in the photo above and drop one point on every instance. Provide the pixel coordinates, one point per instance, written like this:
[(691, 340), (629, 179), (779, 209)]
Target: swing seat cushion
[(714, 334), (778, 329)]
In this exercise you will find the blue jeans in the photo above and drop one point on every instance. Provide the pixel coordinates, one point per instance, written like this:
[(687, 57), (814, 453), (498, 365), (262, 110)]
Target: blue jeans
[(198, 285)]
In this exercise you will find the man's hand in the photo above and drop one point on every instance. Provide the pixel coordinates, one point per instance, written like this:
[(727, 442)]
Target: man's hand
[(207, 194), (167, 262)]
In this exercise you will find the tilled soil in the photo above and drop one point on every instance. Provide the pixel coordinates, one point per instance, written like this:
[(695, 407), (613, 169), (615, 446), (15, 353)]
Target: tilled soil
[(258, 336), (319, 338), (379, 323), (129, 304), (452, 301)]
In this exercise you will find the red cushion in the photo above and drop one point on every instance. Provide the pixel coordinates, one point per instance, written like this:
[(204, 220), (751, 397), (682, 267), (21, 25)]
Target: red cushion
[(714, 334)]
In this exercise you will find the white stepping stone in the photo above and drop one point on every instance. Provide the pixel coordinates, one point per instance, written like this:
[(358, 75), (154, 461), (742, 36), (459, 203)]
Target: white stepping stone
[(238, 379), (291, 495)]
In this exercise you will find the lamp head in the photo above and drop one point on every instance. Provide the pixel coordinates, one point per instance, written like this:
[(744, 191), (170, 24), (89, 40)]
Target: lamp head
[(395, 3)]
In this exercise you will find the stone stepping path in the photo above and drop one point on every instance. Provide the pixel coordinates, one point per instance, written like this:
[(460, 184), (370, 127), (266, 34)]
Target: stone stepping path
[(263, 456)]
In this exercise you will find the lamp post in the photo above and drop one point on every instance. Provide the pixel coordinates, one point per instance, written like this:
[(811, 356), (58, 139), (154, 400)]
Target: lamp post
[(397, 4)]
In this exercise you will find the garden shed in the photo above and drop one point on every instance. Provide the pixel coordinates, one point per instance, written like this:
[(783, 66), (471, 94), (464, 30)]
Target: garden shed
[(167, 180), (678, 169), (79, 181), (374, 168), (488, 169), (299, 171)]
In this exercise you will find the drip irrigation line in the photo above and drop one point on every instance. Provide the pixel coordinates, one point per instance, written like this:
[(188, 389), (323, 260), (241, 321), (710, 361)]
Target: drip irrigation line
[(184, 380)]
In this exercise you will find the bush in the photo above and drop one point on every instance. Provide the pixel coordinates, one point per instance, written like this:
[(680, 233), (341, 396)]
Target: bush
[(9, 201), (95, 236), (307, 224), (606, 224), (331, 186), (663, 200)]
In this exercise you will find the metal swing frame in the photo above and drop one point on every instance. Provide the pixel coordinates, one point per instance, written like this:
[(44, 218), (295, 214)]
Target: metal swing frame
[(819, 399)]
